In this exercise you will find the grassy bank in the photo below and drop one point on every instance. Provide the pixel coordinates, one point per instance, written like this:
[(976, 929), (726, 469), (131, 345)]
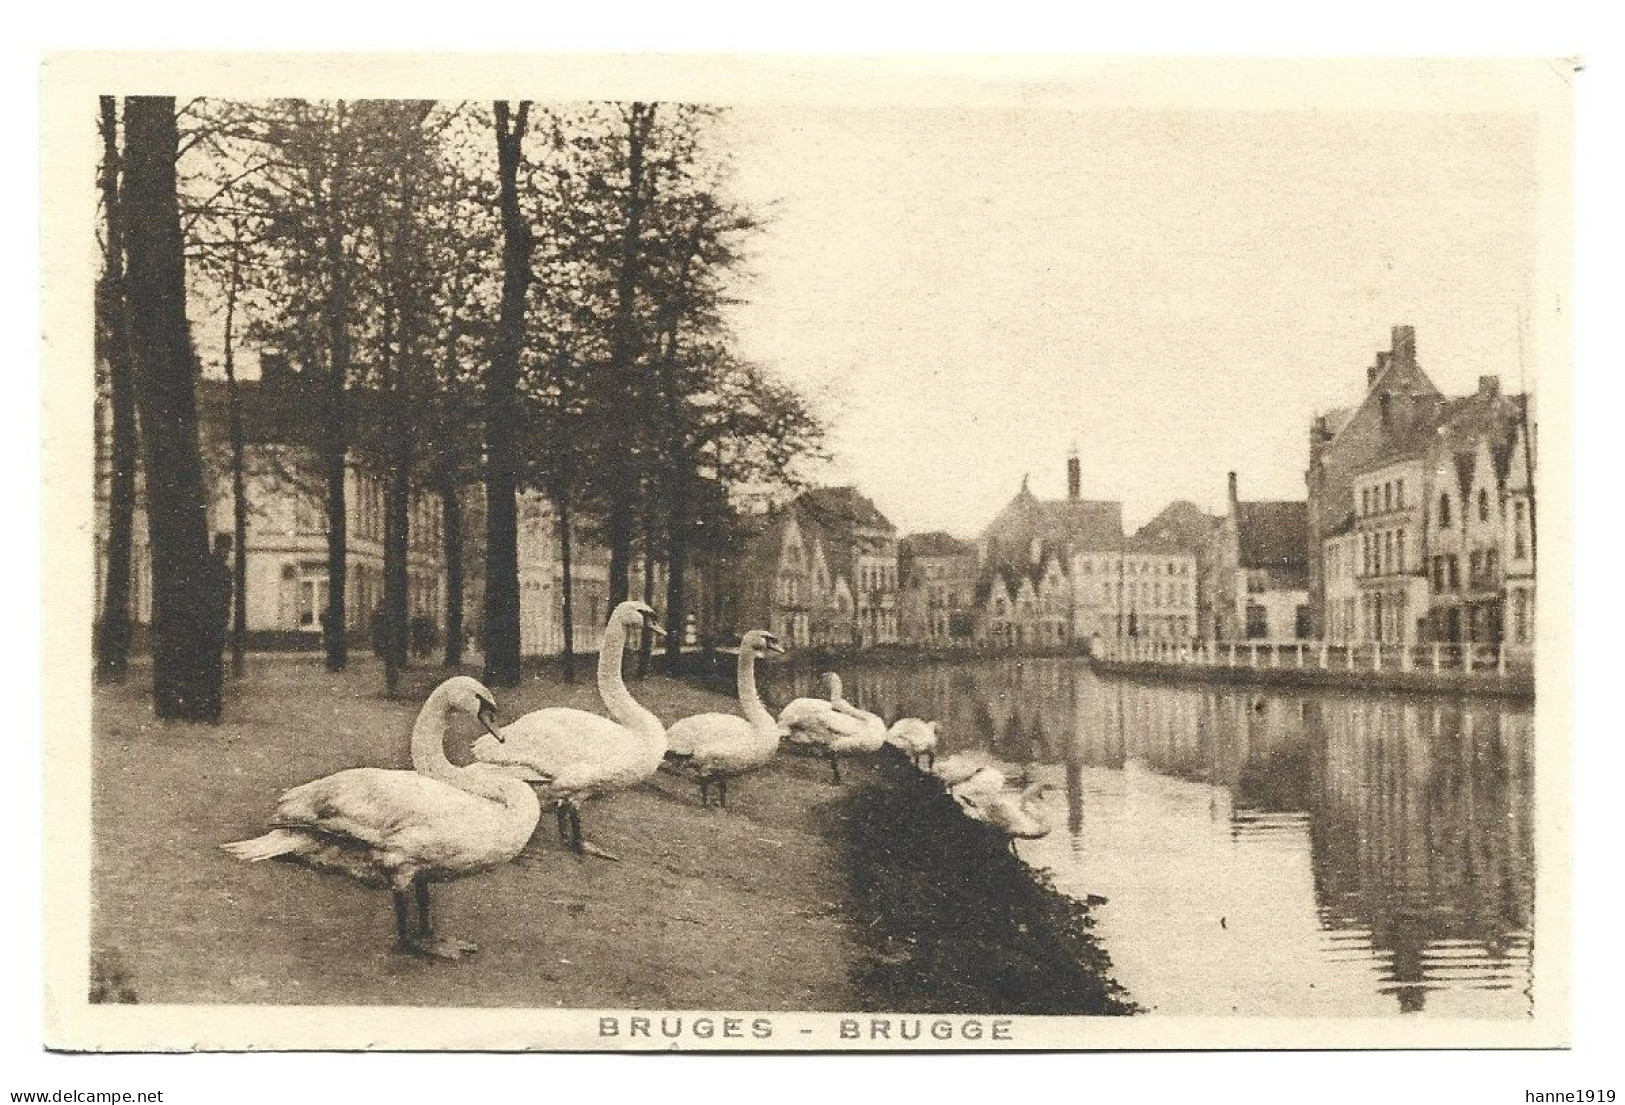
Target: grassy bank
[(710, 910), (949, 921), (801, 895)]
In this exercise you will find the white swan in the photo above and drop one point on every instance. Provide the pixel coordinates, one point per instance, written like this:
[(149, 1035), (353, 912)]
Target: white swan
[(714, 747), (984, 780), (1017, 817), (957, 768), (406, 829), (917, 739), (835, 727), (815, 720), (578, 755)]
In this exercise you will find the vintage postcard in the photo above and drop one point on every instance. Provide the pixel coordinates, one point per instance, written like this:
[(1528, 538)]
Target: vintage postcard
[(774, 553)]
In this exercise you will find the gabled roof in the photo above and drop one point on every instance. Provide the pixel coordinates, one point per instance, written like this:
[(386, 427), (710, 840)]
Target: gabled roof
[(1181, 526), (832, 516), (1059, 525), (935, 543), (1273, 534)]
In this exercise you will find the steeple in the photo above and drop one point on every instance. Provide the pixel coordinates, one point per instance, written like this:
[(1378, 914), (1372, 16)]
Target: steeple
[(1074, 475)]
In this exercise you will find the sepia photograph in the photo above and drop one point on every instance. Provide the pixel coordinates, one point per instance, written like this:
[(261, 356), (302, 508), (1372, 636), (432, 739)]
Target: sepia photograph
[(730, 554)]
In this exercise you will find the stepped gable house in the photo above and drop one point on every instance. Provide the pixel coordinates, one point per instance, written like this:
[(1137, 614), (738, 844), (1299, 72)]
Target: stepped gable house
[(821, 570), (1344, 441), (1421, 512)]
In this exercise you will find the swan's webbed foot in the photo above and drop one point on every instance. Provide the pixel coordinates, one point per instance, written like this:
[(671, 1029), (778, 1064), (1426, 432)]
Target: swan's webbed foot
[(588, 848)]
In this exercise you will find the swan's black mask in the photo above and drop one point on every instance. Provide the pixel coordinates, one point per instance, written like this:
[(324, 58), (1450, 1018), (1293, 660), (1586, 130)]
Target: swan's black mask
[(488, 717)]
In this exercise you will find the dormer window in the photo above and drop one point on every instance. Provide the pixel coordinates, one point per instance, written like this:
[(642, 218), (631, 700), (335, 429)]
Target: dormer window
[(1483, 505), (1444, 510)]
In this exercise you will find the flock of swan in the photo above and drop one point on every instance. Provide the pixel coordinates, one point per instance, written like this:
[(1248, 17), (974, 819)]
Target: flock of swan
[(405, 829)]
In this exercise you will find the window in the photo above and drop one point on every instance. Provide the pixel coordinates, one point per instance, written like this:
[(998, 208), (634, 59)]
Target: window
[(1365, 500), (1399, 494), (1454, 567), (1387, 496), (1483, 505), (1399, 552), (1388, 551), (1519, 547), (1444, 510), (1302, 623), (1365, 554), (1257, 623)]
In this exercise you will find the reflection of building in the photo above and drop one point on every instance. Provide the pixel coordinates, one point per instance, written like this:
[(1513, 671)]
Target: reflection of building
[(1258, 572), (937, 578)]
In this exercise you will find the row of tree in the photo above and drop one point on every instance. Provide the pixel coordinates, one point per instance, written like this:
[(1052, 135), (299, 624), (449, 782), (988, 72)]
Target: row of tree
[(507, 295)]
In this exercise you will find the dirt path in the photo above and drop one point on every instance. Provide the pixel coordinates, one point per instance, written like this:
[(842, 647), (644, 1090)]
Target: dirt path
[(738, 910)]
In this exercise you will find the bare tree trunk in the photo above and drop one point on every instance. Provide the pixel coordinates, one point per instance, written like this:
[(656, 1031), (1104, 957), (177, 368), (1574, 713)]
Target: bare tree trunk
[(186, 670), (335, 444), (113, 632), (239, 495), (451, 525), (567, 587), (646, 641), (502, 414), (397, 506), (623, 348)]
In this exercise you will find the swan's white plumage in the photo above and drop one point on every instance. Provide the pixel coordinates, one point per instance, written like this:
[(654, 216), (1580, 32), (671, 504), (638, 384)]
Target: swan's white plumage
[(913, 736), (1016, 816), (385, 827), (717, 745), (578, 754), (955, 769)]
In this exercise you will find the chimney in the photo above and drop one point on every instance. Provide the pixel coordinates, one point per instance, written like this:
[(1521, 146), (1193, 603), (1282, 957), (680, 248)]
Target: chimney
[(1404, 346), (1489, 385), (1233, 497), (1074, 476), (1376, 370)]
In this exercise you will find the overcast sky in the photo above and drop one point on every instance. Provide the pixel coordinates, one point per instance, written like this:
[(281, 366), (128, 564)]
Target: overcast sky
[(970, 291)]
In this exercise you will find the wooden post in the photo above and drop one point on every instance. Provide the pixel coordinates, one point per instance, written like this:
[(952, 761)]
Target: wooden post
[(1376, 657), (1438, 651), (1501, 660)]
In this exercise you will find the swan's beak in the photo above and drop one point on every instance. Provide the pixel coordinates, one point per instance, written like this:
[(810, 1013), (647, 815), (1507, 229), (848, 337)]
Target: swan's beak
[(649, 624), (488, 717), (773, 645)]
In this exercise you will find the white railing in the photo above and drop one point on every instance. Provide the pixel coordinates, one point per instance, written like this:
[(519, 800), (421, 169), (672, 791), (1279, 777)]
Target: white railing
[(1475, 659)]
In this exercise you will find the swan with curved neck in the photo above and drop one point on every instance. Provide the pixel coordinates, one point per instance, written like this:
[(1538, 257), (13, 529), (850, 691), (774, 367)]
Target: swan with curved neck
[(716, 747), (576, 755), (406, 829), (1016, 816)]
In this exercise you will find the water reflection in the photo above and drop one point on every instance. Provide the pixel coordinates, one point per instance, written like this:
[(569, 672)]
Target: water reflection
[(1290, 853)]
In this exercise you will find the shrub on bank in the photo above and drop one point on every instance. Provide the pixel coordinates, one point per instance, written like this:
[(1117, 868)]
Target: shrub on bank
[(950, 921)]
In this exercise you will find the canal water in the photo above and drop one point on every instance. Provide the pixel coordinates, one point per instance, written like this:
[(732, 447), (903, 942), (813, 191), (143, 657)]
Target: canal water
[(1269, 852)]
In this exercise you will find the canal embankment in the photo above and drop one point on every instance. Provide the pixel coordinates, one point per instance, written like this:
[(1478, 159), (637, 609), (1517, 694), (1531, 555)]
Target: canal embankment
[(782, 901), (949, 920), (1409, 669)]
